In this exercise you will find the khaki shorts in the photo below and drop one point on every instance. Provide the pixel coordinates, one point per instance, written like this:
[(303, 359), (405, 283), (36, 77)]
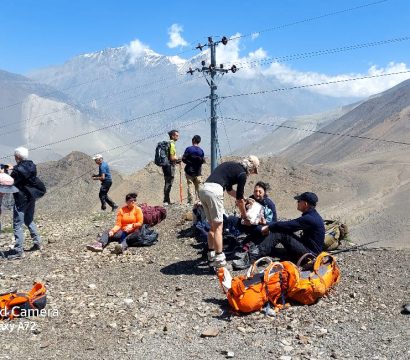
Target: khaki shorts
[(212, 199)]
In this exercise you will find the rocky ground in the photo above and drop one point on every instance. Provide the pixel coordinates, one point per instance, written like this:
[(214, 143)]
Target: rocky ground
[(156, 302)]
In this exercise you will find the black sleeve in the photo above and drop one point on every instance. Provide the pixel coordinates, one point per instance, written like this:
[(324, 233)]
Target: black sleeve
[(241, 186)]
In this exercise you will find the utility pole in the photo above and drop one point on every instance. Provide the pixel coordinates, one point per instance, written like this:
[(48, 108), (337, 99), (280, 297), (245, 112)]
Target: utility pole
[(212, 70)]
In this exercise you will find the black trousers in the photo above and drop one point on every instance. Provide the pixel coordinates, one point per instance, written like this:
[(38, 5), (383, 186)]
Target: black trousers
[(121, 237), (169, 174), (294, 248), (103, 195)]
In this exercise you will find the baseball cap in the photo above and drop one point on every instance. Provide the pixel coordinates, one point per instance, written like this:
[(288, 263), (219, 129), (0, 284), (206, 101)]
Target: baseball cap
[(309, 197)]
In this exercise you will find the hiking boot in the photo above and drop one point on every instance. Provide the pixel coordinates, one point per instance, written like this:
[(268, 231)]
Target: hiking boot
[(35, 247), (118, 249), (103, 207), (219, 261), (115, 207), (243, 263), (96, 247), (14, 254), (406, 309)]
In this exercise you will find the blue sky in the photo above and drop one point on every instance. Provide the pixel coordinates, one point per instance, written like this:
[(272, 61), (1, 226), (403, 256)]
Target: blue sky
[(39, 33)]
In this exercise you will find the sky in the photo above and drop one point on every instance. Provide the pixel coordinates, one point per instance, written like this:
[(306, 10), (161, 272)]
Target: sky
[(40, 33)]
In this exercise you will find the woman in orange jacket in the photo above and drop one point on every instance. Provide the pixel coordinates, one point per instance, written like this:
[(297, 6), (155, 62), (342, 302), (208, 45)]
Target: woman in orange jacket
[(129, 221)]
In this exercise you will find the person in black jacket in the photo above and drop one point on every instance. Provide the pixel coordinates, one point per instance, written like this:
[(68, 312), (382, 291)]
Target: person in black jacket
[(211, 194), (193, 158), (311, 239), (24, 174)]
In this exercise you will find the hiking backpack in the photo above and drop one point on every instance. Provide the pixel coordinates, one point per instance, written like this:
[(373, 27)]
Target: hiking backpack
[(162, 153), (16, 304), (144, 236), (335, 232), (250, 292), (153, 215), (312, 284)]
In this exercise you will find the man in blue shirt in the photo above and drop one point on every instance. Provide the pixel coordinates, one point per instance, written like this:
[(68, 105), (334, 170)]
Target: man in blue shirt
[(193, 158), (104, 175), (311, 239)]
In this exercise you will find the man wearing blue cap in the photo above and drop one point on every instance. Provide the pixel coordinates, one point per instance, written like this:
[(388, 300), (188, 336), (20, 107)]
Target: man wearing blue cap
[(311, 239)]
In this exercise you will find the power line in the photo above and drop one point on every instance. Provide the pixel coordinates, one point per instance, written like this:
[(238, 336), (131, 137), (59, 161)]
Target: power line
[(310, 54), (113, 125), (182, 72), (152, 135), (309, 19), (319, 131), (75, 106), (316, 84)]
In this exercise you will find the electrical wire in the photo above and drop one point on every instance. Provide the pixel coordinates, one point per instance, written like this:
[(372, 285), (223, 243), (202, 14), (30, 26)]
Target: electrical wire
[(308, 19), (113, 125), (316, 84), (320, 131), (310, 54)]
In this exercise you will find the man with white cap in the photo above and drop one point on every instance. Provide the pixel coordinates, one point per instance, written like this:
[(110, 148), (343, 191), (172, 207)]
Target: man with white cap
[(211, 195), (23, 173), (104, 175)]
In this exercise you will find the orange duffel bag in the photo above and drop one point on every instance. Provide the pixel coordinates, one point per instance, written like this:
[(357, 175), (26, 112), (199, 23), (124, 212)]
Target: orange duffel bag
[(250, 292), (15, 304), (314, 283)]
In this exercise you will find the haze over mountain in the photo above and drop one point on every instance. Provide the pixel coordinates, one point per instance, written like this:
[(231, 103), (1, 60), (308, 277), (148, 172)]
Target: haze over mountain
[(120, 84), (35, 115)]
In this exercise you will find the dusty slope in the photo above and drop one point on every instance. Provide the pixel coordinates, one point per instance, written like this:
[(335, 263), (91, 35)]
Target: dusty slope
[(365, 194), (173, 298)]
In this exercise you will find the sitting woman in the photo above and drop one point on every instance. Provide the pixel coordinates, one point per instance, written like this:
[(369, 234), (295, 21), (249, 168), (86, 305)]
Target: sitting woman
[(269, 214), (129, 221)]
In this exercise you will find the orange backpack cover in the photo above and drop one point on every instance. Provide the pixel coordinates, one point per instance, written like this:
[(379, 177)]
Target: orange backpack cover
[(250, 292), (313, 284), (13, 304)]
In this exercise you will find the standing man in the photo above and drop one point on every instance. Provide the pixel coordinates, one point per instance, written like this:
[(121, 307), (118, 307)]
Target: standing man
[(211, 195), (169, 169), (23, 173), (104, 175), (193, 158)]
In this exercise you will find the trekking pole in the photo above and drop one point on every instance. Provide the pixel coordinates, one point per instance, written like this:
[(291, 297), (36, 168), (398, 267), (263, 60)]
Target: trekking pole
[(355, 247), (180, 183)]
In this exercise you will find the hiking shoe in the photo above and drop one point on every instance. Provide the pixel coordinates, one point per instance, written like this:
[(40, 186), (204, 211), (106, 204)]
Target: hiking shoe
[(118, 249), (96, 247), (115, 207), (243, 263), (219, 261), (35, 247), (14, 254), (103, 207), (211, 256), (406, 309)]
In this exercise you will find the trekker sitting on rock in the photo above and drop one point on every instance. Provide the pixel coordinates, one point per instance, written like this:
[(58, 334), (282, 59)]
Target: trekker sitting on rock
[(129, 221), (310, 241)]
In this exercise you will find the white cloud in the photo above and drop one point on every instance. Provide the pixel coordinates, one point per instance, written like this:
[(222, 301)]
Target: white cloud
[(175, 38), (254, 35), (136, 49), (252, 65), (355, 88)]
